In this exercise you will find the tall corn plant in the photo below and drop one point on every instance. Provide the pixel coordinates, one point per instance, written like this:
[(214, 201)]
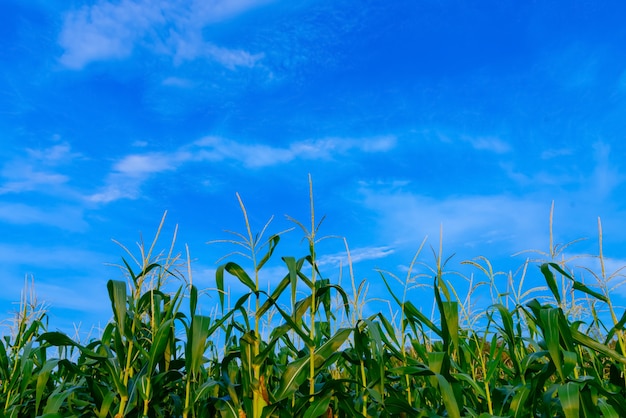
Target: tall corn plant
[(259, 392), (24, 371)]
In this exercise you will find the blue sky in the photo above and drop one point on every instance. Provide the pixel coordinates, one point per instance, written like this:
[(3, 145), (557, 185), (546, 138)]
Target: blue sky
[(408, 116)]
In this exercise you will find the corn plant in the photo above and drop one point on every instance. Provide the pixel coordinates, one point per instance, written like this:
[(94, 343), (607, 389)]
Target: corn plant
[(304, 348)]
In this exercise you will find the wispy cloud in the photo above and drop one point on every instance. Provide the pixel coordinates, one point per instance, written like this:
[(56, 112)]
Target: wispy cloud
[(131, 171), (107, 30), (539, 178), (261, 155), (606, 176), (555, 153), (488, 143), (23, 178), (595, 176), (177, 82), (406, 218), (37, 169), (356, 256)]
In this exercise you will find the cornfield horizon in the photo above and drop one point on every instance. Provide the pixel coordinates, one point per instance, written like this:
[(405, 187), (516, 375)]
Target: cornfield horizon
[(309, 347)]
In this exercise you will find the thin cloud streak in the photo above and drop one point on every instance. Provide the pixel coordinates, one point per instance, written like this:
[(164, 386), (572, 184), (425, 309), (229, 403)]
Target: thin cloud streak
[(467, 221), (492, 144), (357, 255), (130, 172), (36, 170), (106, 31)]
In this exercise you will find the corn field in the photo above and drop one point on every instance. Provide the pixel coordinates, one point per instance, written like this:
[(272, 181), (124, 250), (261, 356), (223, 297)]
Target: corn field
[(305, 348)]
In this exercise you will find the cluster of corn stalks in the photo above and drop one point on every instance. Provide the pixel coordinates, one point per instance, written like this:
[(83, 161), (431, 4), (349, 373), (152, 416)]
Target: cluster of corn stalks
[(312, 353)]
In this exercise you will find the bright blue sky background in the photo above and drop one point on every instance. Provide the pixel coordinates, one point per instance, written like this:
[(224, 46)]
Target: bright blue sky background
[(408, 115)]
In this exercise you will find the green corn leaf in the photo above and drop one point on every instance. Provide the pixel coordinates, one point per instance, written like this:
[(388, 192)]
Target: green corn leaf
[(42, 380), (301, 275), (344, 296), (105, 406), (619, 326), (399, 407), (56, 399), (193, 300), (272, 243), (587, 341), (227, 409), (292, 267), (4, 362), (551, 281), (518, 403), (205, 391), (413, 314), (583, 288), (159, 343), (219, 282), (578, 285), (241, 274), (393, 295), (197, 342), (26, 370), (59, 339), (295, 373), (477, 387), (509, 333), (550, 325), (240, 302), (117, 295), (143, 273), (419, 370), (130, 271), (570, 400), (450, 312), (293, 322), (319, 405), (293, 376), (607, 410), (449, 400)]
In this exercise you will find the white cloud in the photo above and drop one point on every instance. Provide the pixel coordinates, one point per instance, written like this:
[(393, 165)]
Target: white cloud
[(24, 178), (35, 172), (107, 30), (117, 188), (139, 165), (56, 154), (356, 256), (489, 143), (232, 58), (190, 48), (260, 155), (605, 177), (467, 221), (540, 178), (177, 82), (130, 172), (555, 153)]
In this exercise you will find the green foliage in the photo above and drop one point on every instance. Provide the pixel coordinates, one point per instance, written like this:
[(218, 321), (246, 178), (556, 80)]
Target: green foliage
[(304, 349)]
